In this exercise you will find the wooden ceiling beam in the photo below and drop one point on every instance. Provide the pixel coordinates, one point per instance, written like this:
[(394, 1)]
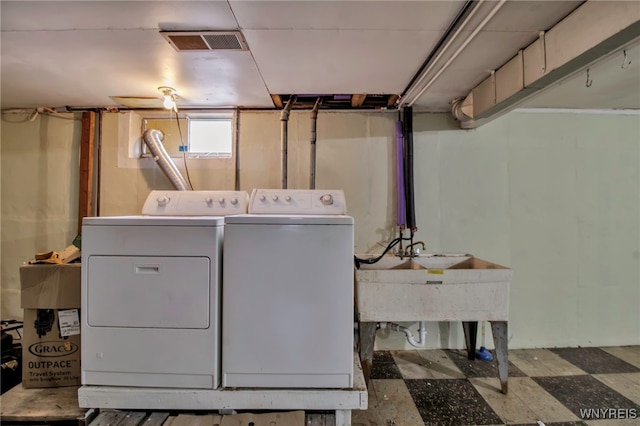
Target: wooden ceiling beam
[(277, 101), (357, 100), (392, 101)]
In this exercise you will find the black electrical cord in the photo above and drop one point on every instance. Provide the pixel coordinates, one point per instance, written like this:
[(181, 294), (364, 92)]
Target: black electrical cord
[(371, 260), (184, 153)]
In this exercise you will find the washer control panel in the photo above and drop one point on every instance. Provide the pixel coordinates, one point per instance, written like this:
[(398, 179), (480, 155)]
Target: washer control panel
[(298, 201), (196, 203)]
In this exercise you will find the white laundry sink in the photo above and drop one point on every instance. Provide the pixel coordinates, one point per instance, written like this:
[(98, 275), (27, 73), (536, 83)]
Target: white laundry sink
[(432, 287), (424, 261)]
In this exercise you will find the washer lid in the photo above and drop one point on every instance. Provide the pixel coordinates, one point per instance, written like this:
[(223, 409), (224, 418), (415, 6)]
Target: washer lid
[(275, 219), (154, 221)]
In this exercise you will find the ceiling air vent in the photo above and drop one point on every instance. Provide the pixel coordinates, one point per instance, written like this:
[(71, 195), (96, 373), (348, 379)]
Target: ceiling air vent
[(191, 41)]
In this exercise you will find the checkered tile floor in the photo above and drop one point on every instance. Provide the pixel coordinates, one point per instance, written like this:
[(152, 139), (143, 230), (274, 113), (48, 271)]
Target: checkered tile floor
[(561, 386)]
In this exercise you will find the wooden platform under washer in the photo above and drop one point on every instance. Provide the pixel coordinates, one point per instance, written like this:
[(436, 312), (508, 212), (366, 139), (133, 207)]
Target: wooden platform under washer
[(53, 406), (141, 418), (109, 405)]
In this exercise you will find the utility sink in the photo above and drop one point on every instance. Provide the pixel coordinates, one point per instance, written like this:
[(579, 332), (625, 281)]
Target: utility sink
[(432, 287), (436, 287), (427, 261)]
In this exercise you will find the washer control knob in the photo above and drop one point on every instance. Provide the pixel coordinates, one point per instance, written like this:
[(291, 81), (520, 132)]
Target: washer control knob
[(163, 200), (221, 201), (274, 198), (326, 199), (234, 201), (287, 198), (208, 200), (262, 198)]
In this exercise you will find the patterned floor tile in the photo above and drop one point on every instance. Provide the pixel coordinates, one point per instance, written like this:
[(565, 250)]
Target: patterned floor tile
[(443, 387), (630, 354), (542, 362), (595, 360), (479, 368), (389, 403), (526, 401), (549, 424), (451, 402), (384, 367), (582, 394), (626, 384), (426, 364)]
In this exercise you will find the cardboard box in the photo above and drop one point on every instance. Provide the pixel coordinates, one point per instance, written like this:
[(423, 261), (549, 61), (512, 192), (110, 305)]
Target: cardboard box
[(50, 297)]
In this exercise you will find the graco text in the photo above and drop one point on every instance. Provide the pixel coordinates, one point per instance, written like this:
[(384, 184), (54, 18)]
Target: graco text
[(608, 413)]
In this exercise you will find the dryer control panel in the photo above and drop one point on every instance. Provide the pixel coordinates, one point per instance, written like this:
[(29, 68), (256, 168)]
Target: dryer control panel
[(298, 201), (196, 203)]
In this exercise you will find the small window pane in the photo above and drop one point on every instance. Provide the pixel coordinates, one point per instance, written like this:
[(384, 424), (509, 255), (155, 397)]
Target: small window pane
[(210, 137)]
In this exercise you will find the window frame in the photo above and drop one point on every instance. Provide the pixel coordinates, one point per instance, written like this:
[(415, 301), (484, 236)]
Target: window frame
[(229, 116)]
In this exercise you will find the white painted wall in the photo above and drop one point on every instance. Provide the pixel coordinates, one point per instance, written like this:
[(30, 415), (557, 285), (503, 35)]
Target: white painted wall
[(554, 196)]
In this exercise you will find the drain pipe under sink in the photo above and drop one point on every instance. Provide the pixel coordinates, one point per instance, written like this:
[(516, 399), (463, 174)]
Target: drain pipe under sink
[(422, 332)]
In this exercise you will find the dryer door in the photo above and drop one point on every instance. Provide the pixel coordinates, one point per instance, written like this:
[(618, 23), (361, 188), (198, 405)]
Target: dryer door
[(148, 292)]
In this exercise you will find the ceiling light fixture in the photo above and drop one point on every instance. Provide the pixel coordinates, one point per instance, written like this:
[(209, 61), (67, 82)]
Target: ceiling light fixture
[(169, 94)]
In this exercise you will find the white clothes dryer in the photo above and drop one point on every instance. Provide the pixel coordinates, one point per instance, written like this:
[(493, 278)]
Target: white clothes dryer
[(151, 292), (288, 292)]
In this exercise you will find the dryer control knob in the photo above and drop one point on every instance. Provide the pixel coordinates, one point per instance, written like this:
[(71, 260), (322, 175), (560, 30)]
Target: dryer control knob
[(163, 200), (221, 201), (274, 198), (326, 199), (234, 201), (208, 200), (263, 198), (287, 198)]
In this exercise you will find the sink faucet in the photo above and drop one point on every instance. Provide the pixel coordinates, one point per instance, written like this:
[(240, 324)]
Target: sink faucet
[(411, 252)]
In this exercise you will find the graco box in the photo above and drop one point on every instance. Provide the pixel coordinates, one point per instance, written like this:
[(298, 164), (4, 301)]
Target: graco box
[(50, 297)]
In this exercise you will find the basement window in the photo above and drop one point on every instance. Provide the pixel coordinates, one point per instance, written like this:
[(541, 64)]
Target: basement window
[(199, 137)]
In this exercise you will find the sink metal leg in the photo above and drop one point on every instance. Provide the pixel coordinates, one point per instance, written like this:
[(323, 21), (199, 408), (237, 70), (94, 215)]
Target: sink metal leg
[(367, 340), (470, 336), (500, 340)]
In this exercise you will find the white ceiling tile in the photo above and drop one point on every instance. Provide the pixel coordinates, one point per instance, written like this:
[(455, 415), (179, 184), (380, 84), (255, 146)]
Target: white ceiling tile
[(338, 61), (523, 15), (429, 15), (435, 102), (127, 63), (82, 15)]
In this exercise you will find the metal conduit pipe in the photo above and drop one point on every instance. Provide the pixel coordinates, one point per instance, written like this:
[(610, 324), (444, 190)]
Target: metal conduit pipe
[(284, 121), (453, 57), (443, 44), (314, 120), (153, 138), (422, 332)]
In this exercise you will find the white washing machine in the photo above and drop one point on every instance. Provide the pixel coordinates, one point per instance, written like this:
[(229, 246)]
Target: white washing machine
[(287, 316), (151, 291)]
